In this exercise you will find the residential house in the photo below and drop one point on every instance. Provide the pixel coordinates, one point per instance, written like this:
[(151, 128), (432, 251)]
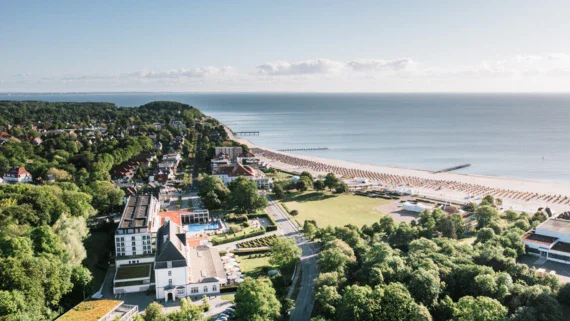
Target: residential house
[(17, 175)]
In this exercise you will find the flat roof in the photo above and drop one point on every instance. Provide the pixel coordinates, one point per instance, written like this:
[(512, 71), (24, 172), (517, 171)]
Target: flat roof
[(136, 213), (555, 225), (538, 239), (561, 247), (133, 271), (207, 265), (92, 310)]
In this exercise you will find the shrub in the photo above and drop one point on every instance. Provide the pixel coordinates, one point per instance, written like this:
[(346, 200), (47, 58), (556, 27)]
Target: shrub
[(235, 229), (245, 224), (294, 213)]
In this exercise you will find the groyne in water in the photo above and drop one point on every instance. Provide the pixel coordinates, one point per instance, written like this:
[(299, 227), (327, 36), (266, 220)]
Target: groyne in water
[(454, 168), (302, 149)]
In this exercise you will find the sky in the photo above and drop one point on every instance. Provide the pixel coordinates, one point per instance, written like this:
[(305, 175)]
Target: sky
[(284, 46)]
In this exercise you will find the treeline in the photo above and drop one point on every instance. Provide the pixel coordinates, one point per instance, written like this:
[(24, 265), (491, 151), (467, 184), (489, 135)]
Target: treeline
[(43, 225), (59, 114), (420, 271)]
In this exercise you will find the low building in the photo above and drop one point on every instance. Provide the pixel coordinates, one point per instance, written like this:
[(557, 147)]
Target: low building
[(233, 152), (17, 175), (228, 173), (551, 239), (100, 310), (220, 160)]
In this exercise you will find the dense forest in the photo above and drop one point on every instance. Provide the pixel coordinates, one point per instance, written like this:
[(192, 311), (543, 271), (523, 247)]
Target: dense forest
[(421, 271), (43, 225)]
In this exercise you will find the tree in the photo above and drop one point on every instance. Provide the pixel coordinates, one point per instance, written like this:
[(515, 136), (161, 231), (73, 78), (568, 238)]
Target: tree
[(487, 201), (256, 300), (294, 212), (211, 201), (284, 253), (309, 229), (319, 185), (485, 215), (564, 294), (425, 287), (244, 196), (302, 185), (106, 196), (59, 175), (480, 308), (511, 215), (154, 312), (308, 175), (356, 304), (341, 187), (278, 191), (330, 181), (485, 234)]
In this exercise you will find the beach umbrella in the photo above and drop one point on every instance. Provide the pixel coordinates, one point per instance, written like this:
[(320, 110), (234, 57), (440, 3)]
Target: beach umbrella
[(238, 281)]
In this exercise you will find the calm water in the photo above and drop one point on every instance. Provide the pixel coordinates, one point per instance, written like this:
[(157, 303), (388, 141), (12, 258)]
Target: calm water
[(202, 227), (522, 136)]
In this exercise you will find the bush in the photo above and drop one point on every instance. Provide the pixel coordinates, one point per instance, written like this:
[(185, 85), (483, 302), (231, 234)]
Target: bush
[(242, 218), (235, 229), (245, 224), (294, 213)]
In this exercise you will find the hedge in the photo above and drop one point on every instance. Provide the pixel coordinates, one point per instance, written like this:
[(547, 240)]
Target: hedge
[(218, 241), (250, 251), (228, 288)]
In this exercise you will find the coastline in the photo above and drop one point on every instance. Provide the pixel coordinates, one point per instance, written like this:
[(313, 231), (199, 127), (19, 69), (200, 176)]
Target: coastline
[(515, 189)]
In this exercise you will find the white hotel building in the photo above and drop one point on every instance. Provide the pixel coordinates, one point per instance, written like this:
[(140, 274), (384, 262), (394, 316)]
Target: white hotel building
[(551, 239), (150, 256)]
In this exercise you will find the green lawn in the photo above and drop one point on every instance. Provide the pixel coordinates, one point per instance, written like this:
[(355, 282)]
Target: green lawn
[(255, 267), (228, 297), (334, 209)]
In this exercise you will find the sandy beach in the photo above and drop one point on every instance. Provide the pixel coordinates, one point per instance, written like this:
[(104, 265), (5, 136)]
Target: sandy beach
[(522, 195)]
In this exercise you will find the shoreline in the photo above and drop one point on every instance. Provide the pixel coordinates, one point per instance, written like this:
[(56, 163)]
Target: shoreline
[(519, 194)]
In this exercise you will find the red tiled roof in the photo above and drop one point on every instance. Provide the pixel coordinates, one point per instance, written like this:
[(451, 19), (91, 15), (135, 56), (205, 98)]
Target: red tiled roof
[(18, 171), (195, 241), (241, 170)]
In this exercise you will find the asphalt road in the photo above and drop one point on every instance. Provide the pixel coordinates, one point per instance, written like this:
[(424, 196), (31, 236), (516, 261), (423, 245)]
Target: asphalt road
[(305, 301)]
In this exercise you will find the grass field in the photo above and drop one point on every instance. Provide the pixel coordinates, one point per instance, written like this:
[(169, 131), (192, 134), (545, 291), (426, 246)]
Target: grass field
[(228, 297), (334, 209), (255, 267)]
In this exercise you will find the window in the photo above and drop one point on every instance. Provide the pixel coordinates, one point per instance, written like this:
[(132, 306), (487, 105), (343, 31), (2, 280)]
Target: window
[(180, 291), (194, 290), (214, 288), (206, 289), (169, 273)]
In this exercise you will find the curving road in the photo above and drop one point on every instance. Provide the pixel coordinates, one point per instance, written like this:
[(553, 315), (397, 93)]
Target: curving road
[(305, 301)]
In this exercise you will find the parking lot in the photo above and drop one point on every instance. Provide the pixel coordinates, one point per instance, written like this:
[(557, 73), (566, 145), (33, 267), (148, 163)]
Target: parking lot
[(562, 270)]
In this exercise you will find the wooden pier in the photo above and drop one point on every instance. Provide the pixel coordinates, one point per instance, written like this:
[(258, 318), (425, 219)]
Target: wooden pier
[(454, 168), (302, 149), (247, 133)]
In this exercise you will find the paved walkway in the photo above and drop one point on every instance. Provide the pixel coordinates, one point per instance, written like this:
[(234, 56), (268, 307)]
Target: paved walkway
[(305, 301)]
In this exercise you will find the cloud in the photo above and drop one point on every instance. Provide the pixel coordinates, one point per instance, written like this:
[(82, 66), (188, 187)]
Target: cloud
[(307, 67), (381, 65)]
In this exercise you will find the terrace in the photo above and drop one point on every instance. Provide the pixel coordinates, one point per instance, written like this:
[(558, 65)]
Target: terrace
[(100, 310), (133, 271), (538, 239)]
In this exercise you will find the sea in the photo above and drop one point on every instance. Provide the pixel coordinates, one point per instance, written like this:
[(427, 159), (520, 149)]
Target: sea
[(523, 136)]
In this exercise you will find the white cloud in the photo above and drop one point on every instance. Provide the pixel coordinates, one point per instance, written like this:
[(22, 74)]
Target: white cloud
[(307, 67), (382, 65)]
